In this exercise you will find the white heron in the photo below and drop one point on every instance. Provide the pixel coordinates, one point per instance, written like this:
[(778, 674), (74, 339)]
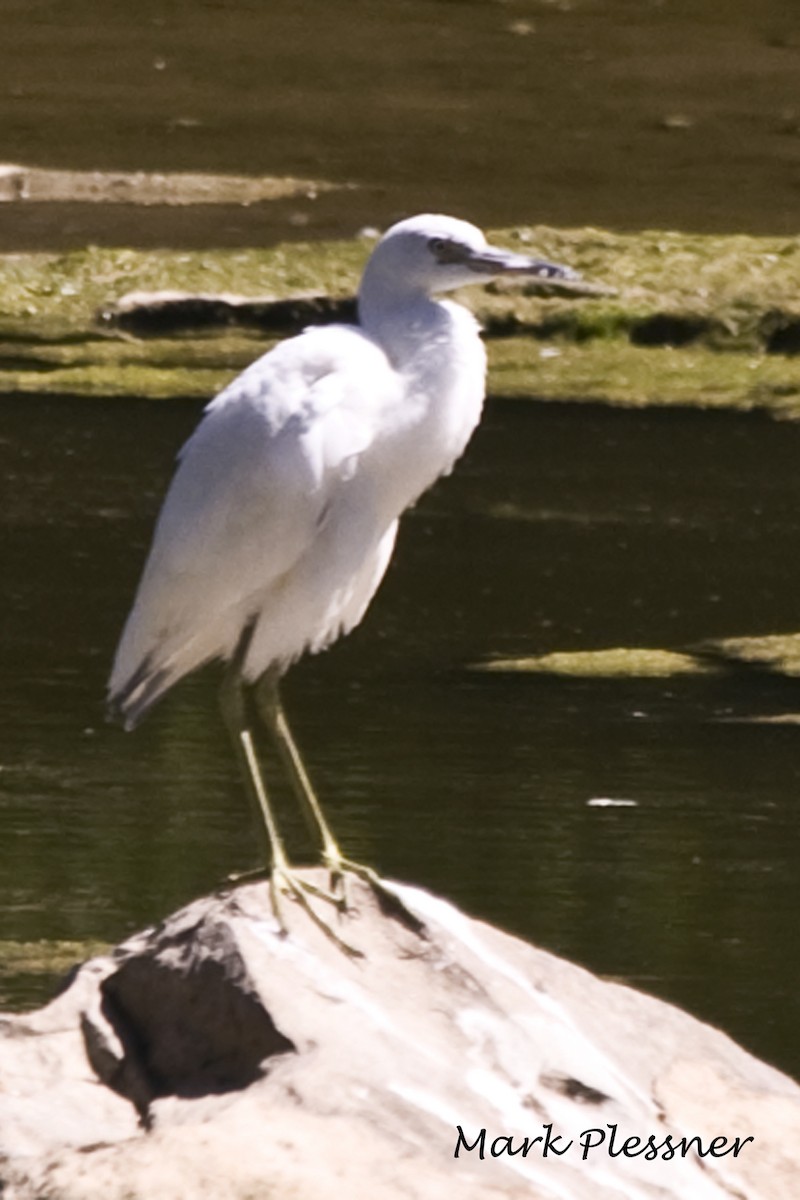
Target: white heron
[(281, 517)]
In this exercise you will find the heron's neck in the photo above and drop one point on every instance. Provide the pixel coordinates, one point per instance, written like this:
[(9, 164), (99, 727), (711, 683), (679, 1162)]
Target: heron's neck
[(435, 349), (401, 322)]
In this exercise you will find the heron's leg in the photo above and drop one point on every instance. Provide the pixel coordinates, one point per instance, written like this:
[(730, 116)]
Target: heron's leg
[(269, 706), (232, 703), (268, 700)]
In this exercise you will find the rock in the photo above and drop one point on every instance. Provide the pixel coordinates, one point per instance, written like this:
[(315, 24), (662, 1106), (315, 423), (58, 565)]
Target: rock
[(213, 1056)]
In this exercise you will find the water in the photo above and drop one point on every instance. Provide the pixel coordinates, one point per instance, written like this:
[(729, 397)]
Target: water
[(626, 113), (564, 528)]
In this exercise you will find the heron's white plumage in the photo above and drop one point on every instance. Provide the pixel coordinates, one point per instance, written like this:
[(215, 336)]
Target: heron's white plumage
[(282, 513)]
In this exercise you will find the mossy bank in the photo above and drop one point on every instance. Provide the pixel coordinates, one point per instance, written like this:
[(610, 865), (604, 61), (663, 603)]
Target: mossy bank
[(676, 319)]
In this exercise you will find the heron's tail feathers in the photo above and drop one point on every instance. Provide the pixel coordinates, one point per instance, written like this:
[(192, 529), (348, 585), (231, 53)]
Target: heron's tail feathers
[(128, 703), (147, 667)]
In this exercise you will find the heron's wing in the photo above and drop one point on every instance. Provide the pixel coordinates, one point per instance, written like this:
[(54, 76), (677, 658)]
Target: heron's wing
[(252, 487)]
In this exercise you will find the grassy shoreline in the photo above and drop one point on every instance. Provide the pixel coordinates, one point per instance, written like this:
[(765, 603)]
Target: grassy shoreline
[(704, 321)]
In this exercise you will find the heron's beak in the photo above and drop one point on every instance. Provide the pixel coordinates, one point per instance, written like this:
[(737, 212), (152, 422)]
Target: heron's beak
[(494, 261)]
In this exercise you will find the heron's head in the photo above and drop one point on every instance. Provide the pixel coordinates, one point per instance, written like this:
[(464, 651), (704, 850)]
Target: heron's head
[(432, 253)]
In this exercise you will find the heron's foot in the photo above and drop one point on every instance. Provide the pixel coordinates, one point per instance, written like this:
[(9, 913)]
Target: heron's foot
[(330, 894), (283, 881), (389, 901), (253, 873)]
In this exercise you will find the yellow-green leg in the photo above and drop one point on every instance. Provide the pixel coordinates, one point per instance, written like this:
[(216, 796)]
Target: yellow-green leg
[(268, 700), (281, 876), (267, 696)]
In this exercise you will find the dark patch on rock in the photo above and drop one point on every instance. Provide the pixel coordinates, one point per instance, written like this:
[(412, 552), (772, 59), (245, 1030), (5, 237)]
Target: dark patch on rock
[(189, 1017), (567, 1085)]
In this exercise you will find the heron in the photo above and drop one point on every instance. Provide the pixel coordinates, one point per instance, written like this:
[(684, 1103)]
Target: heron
[(281, 517)]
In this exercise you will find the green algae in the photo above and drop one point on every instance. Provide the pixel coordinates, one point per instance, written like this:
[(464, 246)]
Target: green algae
[(620, 663), (778, 653), (103, 366), (615, 372), (29, 965), (67, 291)]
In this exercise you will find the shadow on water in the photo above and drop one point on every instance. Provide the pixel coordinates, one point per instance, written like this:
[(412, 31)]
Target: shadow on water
[(563, 528)]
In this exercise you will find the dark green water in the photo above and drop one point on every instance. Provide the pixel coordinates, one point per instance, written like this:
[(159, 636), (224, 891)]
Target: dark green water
[(563, 528), (626, 113)]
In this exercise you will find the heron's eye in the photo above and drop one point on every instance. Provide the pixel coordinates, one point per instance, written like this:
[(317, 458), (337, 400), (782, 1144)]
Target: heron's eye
[(444, 250)]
